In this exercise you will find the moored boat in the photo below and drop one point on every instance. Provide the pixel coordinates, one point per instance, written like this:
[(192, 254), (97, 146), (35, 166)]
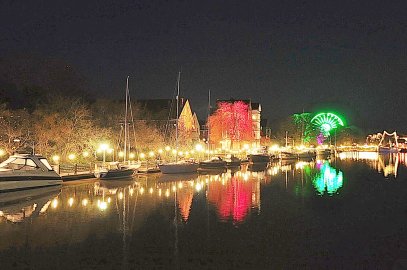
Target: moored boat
[(233, 162), (113, 171), (178, 167), (214, 163), (24, 171)]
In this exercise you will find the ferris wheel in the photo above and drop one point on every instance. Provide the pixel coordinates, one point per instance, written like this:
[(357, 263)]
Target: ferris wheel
[(326, 122)]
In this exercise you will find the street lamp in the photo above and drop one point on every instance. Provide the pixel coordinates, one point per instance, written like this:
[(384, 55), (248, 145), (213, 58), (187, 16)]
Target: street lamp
[(103, 147)]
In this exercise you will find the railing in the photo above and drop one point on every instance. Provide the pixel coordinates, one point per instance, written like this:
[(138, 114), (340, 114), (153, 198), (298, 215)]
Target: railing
[(69, 169)]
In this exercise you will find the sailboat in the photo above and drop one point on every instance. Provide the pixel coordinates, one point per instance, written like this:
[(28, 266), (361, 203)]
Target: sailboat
[(182, 166), (115, 170), (215, 163)]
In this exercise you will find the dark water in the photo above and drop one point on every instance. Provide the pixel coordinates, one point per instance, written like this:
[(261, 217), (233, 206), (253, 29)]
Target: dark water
[(349, 212)]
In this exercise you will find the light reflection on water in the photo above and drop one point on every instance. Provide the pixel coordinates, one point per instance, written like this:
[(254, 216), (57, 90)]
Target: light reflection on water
[(80, 210)]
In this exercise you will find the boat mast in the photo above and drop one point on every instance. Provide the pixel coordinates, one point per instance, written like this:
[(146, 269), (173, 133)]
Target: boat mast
[(125, 121), (207, 120), (177, 117)]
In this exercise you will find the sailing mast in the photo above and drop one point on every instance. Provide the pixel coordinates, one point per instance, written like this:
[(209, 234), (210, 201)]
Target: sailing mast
[(125, 121), (176, 119), (207, 120)]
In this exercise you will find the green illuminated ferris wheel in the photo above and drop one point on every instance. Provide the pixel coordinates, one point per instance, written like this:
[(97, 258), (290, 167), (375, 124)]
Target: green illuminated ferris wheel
[(326, 122)]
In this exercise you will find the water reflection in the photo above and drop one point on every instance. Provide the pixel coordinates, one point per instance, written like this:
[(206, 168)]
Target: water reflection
[(387, 164), (328, 179), (36, 203)]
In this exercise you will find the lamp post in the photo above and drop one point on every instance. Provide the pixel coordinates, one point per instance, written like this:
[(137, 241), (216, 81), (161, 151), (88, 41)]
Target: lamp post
[(103, 147)]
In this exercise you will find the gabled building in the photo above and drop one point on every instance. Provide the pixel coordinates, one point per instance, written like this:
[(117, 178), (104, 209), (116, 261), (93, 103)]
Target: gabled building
[(163, 114)]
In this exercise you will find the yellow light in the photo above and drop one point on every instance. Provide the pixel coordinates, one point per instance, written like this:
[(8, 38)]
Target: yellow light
[(159, 192), (198, 187), (198, 147), (131, 191), (174, 151), (85, 154), (110, 150), (104, 146), (174, 188), (55, 158), (102, 205), (180, 185), (85, 202), (131, 155), (120, 195), (274, 147), (160, 151), (151, 190), (1, 213), (121, 154), (2, 152), (151, 154), (142, 155), (192, 152), (167, 148), (180, 153), (54, 203), (167, 193), (141, 191), (109, 199), (186, 153), (70, 202), (246, 146), (71, 156)]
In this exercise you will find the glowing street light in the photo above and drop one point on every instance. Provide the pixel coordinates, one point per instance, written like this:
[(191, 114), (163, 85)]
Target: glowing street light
[(71, 157), (103, 147), (55, 158), (199, 147)]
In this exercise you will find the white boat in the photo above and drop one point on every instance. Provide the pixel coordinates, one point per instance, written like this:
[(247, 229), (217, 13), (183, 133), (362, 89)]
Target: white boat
[(24, 172), (178, 166)]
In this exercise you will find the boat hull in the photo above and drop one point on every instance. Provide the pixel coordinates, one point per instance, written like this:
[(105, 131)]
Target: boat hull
[(212, 165), (15, 184), (115, 174), (177, 168)]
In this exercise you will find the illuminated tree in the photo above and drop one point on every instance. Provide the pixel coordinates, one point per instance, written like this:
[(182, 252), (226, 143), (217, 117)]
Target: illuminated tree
[(232, 121), (303, 126)]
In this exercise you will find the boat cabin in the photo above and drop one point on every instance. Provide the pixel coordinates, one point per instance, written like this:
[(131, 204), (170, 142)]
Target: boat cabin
[(26, 163)]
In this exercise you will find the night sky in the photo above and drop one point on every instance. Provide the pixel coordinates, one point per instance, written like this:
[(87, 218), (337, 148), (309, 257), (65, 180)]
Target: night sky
[(307, 55)]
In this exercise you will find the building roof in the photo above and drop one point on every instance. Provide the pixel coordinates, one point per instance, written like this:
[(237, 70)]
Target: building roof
[(162, 108)]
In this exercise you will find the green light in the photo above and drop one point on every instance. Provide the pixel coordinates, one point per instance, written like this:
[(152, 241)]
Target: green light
[(326, 127), (326, 122), (328, 180)]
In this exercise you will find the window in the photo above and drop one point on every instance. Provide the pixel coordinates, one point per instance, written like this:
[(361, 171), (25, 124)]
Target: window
[(45, 162)]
